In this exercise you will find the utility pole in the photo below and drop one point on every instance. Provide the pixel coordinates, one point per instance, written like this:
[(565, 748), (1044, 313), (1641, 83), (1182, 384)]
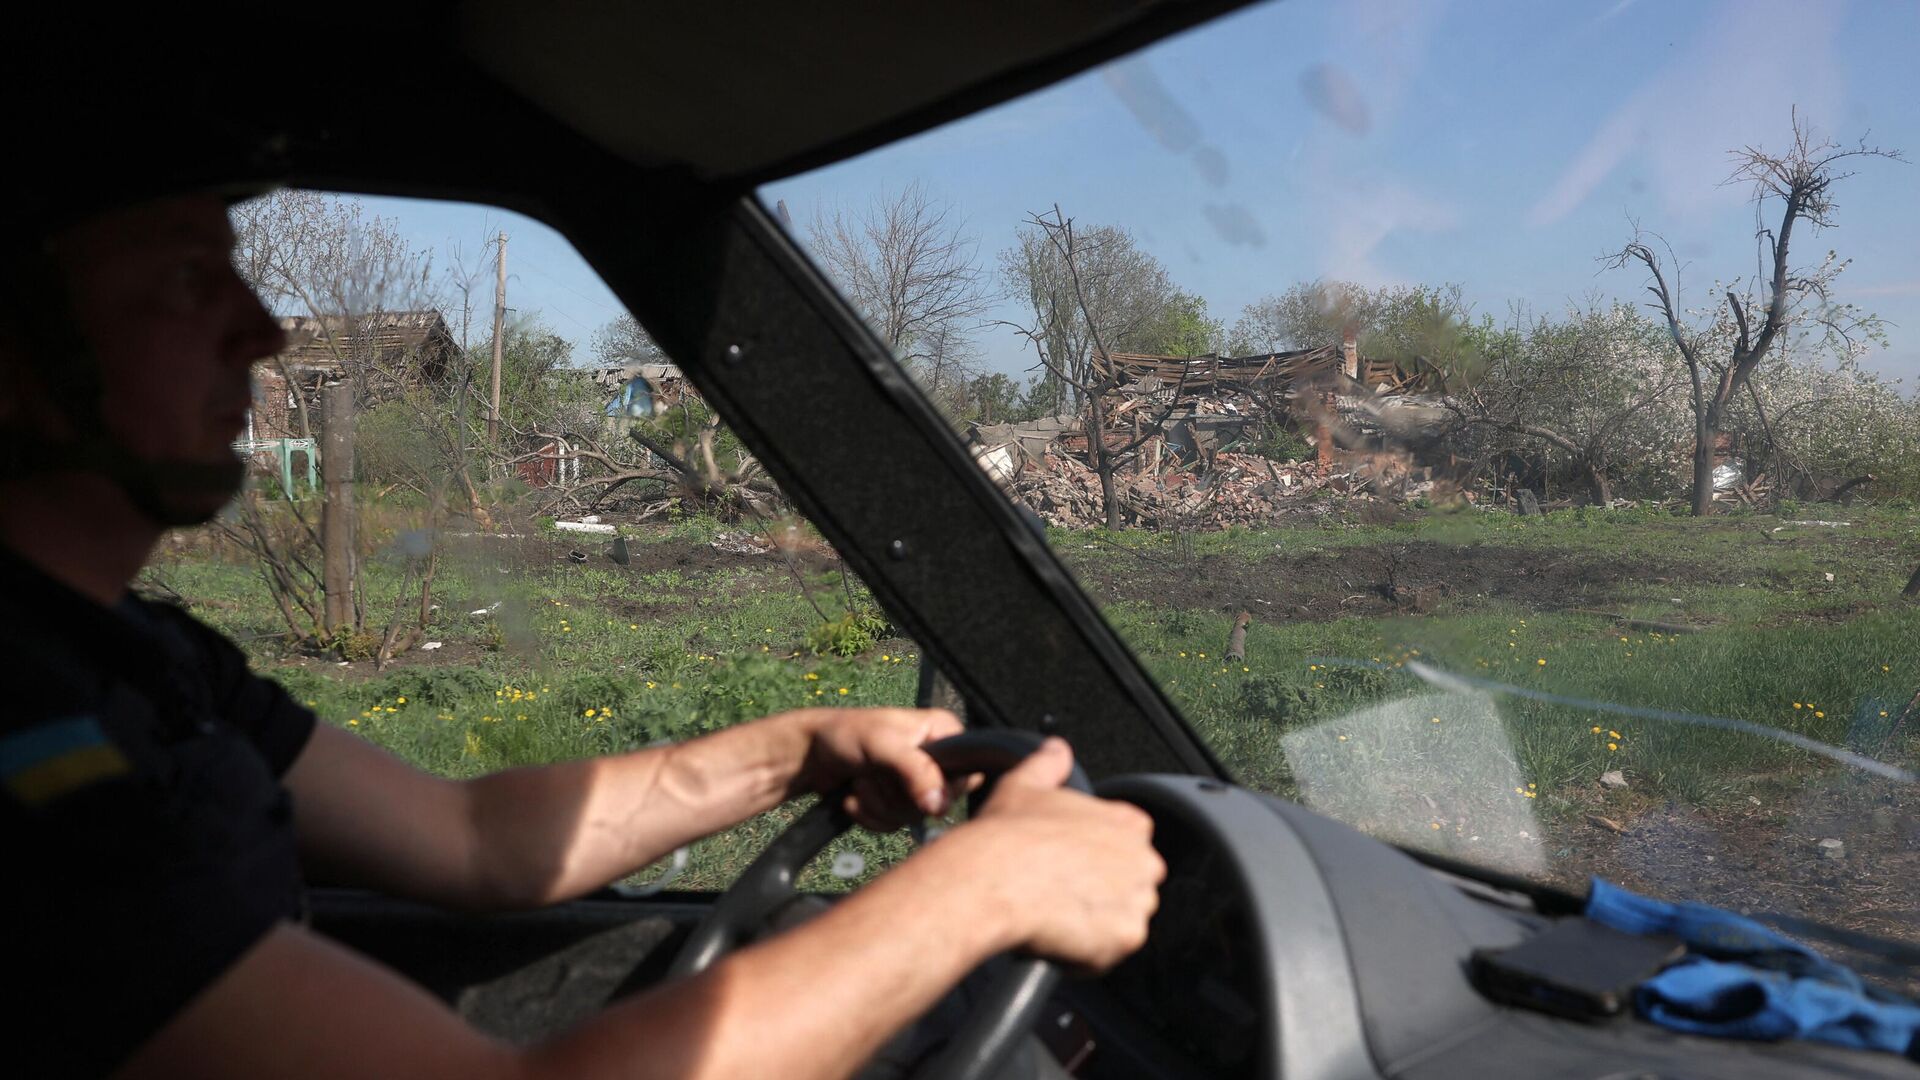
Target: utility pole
[(499, 325)]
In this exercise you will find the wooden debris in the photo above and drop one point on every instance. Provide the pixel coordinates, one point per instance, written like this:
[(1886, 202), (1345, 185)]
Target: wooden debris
[(1237, 641), (1606, 823)]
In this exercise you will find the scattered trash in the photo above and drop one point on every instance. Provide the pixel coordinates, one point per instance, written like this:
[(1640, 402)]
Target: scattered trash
[(618, 552), (585, 527), (576, 557), (1606, 823), (1829, 577), (742, 543), (1833, 849), (849, 864), (1754, 799), (488, 610), (1823, 524), (1613, 778), (590, 519), (432, 645)]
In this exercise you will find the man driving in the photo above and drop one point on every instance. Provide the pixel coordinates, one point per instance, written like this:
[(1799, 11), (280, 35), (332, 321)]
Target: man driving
[(162, 805)]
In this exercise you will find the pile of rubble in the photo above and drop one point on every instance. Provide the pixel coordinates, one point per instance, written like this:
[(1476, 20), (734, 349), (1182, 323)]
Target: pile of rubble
[(1240, 489)]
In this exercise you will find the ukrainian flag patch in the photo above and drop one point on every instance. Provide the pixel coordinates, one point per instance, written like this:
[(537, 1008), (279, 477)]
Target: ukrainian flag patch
[(53, 759)]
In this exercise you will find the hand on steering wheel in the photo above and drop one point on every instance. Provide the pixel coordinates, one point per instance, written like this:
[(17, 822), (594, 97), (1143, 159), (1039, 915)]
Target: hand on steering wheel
[(1008, 1010)]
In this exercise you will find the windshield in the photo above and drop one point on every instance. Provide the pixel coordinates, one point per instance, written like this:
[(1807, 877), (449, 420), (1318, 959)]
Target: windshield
[(1490, 423)]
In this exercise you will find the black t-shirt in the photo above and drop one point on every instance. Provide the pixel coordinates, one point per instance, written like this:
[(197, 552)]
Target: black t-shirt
[(148, 841)]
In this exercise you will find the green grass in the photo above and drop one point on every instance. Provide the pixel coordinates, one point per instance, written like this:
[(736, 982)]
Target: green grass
[(671, 653)]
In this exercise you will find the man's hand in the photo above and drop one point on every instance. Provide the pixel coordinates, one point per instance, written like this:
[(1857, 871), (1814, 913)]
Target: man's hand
[(881, 753), (1068, 876)]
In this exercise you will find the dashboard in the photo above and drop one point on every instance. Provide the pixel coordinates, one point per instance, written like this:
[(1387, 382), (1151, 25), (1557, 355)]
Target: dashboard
[(1289, 945)]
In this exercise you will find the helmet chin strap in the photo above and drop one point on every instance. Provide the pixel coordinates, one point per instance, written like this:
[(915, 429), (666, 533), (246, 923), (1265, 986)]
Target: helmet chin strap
[(171, 494)]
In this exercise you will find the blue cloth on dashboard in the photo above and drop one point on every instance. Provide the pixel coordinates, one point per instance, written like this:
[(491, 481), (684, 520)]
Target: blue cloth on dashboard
[(1742, 980)]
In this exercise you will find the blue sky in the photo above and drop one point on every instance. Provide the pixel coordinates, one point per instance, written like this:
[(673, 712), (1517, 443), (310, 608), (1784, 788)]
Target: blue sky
[(1500, 144)]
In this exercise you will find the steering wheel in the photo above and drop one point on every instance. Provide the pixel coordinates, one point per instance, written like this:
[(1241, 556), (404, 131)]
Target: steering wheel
[(1008, 1009)]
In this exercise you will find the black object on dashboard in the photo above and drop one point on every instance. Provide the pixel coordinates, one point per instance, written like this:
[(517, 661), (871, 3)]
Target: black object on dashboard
[(1575, 968)]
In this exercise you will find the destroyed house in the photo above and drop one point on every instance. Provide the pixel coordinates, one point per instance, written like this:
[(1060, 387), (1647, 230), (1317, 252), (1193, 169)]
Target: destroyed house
[(1210, 401), (385, 349), (637, 391)]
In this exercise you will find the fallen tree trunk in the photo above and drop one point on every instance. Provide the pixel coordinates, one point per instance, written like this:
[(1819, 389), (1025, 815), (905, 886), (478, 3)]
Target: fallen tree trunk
[(1237, 641), (1841, 491)]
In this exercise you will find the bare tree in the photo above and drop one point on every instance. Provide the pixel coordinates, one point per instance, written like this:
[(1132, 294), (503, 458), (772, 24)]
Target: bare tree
[(1109, 294), (1086, 294), (1800, 181), (908, 265), (322, 256)]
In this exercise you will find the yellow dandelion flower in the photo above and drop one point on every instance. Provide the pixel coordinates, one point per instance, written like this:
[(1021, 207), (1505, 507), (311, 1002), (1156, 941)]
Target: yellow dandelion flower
[(311, 704), (1246, 669), (1533, 785), (842, 691), (1614, 735), (353, 723), (1818, 715), (1596, 729), (1203, 656), (812, 676), (1883, 712), (589, 712), (633, 626), (1436, 719), (1613, 746), (1343, 738), (1436, 825), (1542, 661)]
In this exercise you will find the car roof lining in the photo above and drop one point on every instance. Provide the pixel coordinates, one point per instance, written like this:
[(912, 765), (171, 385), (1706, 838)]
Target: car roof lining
[(794, 86)]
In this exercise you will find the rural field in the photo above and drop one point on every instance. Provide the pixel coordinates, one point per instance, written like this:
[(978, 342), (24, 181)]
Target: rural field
[(1340, 699)]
